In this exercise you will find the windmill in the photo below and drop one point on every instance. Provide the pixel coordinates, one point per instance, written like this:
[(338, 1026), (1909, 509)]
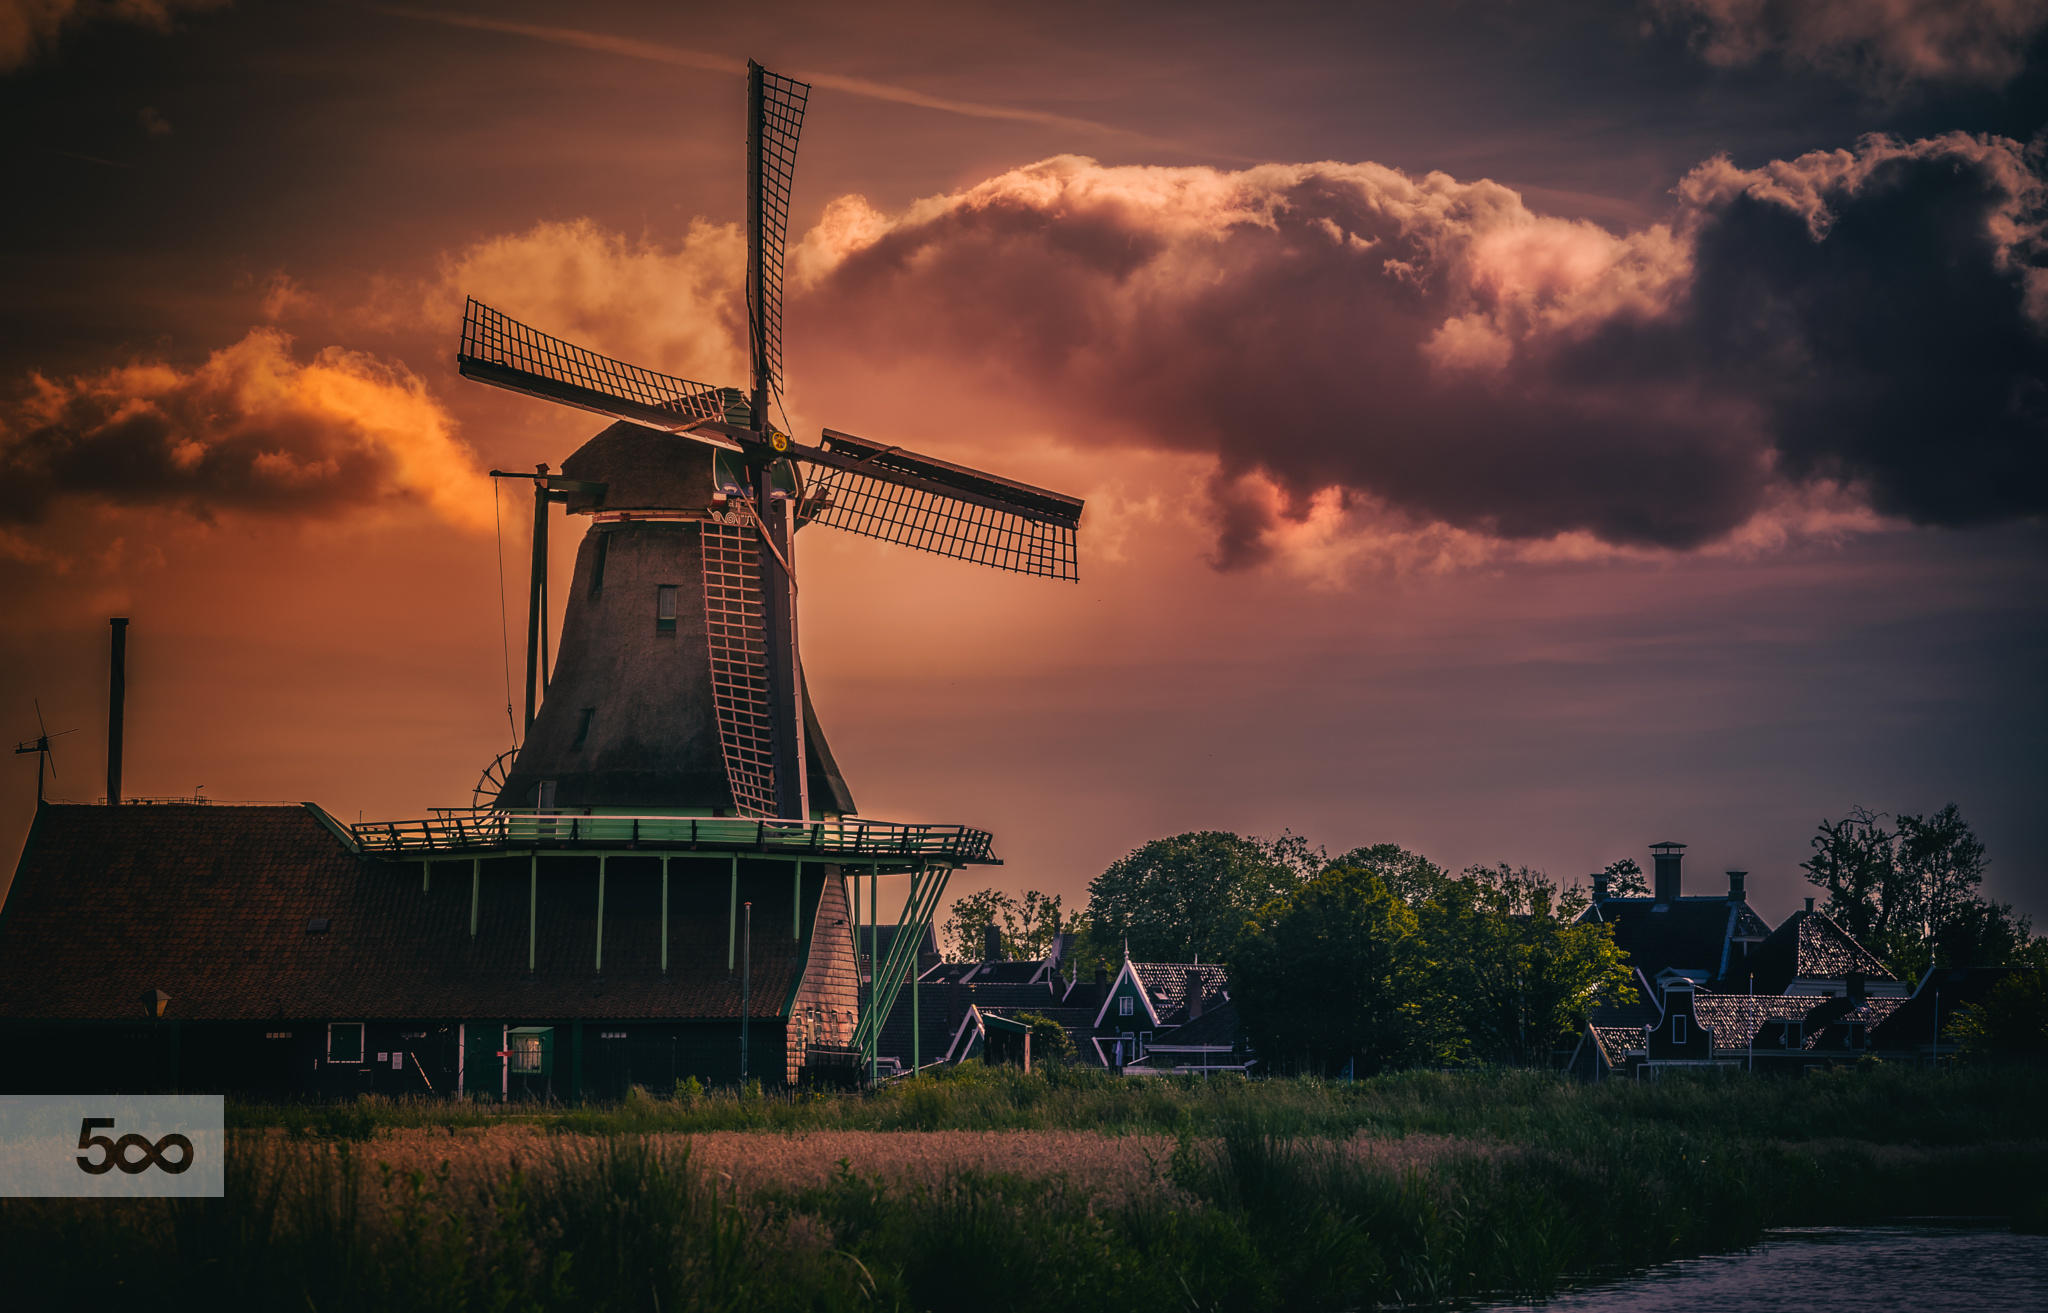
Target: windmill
[(46, 756), (681, 629)]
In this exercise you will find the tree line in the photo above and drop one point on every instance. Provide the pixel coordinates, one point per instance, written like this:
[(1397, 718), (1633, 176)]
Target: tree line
[(1379, 958)]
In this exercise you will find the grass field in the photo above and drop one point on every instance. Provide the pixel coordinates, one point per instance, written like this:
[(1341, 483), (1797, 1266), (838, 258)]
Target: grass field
[(992, 1189)]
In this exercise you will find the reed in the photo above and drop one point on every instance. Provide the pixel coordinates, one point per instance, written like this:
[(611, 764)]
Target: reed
[(1425, 1189)]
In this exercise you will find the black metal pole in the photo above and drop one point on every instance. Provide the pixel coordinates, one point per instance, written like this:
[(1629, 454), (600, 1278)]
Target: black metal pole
[(536, 594), (757, 306), (117, 710), (746, 986)]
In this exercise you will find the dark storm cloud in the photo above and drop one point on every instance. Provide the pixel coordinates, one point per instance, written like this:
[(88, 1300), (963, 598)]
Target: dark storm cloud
[(250, 429), (1884, 45), (29, 27), (1867, 318)]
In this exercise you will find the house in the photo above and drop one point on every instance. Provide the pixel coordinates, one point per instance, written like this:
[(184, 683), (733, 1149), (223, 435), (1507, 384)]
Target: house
[(1149, 1018), (1715, 986), (260, 950)]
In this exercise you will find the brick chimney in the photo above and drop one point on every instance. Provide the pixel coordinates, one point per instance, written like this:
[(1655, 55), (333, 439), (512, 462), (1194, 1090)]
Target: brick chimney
[(1602, 886), (1665, 857), (1809, 904), (1102, 977), (991, 943), (1194, 993), (1853, 985), (1736, 880)]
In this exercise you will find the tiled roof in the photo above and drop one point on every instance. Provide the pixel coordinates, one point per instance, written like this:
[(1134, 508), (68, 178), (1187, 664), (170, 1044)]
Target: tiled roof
[(1006, 973), (935, 1027), (211, 904), (1735, 1019), (1617, 1042), (1167, 984), (1690, 934), (1217, 1027), (1811, 945), (1008, 997)]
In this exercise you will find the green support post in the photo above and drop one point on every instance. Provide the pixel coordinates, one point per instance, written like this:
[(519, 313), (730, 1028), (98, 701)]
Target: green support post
[(875, 974), (664, 913), (600, 913), (532, 908), (476, 882), (426, 874), (796, 901), (916, 1032), (732, 917)]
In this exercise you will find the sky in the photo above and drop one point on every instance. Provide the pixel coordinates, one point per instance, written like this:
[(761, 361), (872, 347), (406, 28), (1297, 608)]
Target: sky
[(1519, 432)]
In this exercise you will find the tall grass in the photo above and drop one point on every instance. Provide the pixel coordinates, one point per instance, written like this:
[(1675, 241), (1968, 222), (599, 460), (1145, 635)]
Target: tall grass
[(1264, 1200), (1885, 1104)]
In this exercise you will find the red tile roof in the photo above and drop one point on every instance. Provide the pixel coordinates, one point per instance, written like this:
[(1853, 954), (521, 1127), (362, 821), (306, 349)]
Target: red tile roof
[(211, 904)]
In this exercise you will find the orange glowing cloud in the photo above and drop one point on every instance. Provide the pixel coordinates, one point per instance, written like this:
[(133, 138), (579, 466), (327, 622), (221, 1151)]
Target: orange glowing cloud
[(249, 430)]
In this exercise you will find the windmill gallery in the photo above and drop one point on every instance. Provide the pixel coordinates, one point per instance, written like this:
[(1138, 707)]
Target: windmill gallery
[(667, 879)]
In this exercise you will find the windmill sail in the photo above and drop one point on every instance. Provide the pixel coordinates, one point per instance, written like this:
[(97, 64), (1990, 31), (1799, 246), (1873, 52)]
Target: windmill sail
[(500, 350), (777, 118), (737, 639), (935, 506)]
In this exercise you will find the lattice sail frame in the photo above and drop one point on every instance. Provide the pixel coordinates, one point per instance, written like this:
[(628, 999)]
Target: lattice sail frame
[(736, 635), (497, 348), (774, 176), (878, 507)]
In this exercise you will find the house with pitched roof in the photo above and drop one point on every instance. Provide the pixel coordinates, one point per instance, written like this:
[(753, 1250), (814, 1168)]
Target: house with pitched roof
[(1716, 986), (1148, 1018)]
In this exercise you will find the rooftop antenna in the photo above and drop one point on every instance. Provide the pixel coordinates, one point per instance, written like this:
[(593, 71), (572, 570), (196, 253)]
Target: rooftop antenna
[(46, 757)]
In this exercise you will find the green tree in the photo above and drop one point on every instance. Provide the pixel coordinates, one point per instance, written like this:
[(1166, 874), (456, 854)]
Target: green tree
[(1855, 860), (2011, 1021), (1026, 925), (1187, 896), (1334, 972), (1514, 974), (1910, 895), (1412, 877), (1049, 1039), (1625, 879)]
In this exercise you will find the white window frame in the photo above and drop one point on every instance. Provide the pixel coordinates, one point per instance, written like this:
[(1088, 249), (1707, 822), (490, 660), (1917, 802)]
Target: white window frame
[(362, 1044), (1126, 1006)]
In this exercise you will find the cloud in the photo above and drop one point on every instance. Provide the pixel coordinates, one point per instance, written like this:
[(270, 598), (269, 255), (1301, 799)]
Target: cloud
[(1345, 336), (249, 430), (30, 27), (677, 310), (1884, 45)]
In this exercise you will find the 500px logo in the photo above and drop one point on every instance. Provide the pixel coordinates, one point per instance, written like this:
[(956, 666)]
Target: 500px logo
[(112, 1146), (117, 1150)]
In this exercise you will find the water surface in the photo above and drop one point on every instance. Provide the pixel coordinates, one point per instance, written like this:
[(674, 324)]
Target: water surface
[(1924, 1269)]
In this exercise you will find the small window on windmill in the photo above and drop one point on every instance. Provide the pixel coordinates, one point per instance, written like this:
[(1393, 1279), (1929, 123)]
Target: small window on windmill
[(544, 795), (583, 727), (664, 609), (1126, 1006)]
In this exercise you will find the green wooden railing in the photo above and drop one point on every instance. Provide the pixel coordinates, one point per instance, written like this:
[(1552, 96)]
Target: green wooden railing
[(496, 830)]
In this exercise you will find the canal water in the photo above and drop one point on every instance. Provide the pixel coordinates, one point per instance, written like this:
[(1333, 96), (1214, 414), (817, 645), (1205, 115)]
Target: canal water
[(1919, 1269)]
